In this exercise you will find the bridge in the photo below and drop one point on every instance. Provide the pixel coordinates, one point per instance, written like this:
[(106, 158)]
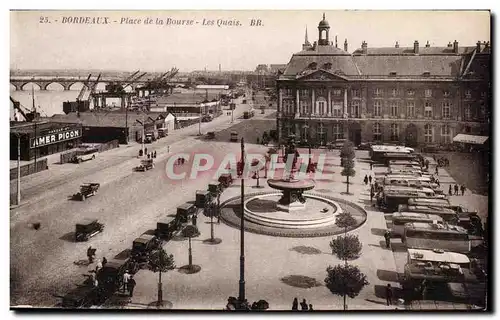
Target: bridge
[(66, 82)]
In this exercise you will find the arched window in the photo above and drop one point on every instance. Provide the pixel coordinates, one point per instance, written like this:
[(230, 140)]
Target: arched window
[(446, 133), (428, 134), (394, 132), (377, 132)]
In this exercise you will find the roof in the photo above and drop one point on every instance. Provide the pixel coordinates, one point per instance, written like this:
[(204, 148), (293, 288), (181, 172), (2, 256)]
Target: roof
[(86, 221), (422, 51), (42, 126), (430, 255), (389, 149), (213, 86), (467, 138), (144, 238), (431, 208), (437, 227), (405, 214), (108, 119), (194, 97)]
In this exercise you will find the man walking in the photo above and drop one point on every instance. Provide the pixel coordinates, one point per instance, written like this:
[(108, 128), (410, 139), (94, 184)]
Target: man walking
[(104, 261), (194, 219), (90, 254), (437, 171), (462, 188), (126, 278), (370, 179), (388, 294), (450, 192), (366, 180), (456, 189), (303, 305), (387, 236), (131, 286)]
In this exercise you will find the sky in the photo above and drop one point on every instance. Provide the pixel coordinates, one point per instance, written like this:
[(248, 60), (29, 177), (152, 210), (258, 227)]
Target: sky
[(40, 39)]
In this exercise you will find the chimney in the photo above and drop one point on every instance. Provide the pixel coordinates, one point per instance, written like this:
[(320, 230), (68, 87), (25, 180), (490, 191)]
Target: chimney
[(427, 45), (336, 45), (345, 45), (449, 45), (455, 46), (478, 46), (486, 45), (364, 47), (415, 47), (397, 45)]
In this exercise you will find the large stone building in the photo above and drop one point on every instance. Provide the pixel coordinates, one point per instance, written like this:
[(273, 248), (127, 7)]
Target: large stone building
[(415, 95)]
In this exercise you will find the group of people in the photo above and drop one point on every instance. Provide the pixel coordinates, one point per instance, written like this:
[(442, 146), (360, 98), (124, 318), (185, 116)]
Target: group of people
[(303, 305), (454, 190), (367, 179), (151, 155), (180, 161), (128, 283)]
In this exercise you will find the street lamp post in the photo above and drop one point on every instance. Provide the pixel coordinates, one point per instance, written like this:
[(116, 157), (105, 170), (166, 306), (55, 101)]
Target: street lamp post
[(241, 297), (18, 169), (142, 136), (199, 123)]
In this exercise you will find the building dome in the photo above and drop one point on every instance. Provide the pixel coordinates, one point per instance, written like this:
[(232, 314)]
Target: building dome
[(323, 23)]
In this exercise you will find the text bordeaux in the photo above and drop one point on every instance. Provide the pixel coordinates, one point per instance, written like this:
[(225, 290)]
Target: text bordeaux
[(86, 20), (55, 137)]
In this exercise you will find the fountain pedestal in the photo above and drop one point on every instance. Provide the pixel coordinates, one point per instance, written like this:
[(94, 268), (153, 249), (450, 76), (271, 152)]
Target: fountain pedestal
[(291, 200)]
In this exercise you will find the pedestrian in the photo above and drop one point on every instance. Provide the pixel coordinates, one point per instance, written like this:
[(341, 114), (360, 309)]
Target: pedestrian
[(427, 163), (98, 265), (168, 149), (104, 261), (131, 286), (462, 188), (303, 305), (449, 191), (295, 304), (311, 307), (456, 189), (388, 294), (148, 155), (126, 278), (376, 186), (437, 182), (366, 179), (370, 179), (437, 172), (371, 195), (145, 150), (387, 236), (90, 254), (194, 219), (371, 164)]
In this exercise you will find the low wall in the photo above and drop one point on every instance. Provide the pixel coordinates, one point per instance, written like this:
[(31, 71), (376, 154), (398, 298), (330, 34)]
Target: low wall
[(29, 168)]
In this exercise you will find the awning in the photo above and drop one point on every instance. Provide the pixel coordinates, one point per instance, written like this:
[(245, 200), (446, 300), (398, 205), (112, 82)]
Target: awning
[(186, 118), (467, 138)]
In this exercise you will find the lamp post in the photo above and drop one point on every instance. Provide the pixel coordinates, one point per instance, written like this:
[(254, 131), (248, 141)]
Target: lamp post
[(241, 296), (199, 123), (142, 135), (18, 169)]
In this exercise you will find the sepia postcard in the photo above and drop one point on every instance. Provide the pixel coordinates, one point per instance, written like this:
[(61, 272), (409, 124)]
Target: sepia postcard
[(311, 160)]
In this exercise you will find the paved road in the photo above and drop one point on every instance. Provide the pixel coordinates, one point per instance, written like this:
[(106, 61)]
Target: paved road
[(128, 203)]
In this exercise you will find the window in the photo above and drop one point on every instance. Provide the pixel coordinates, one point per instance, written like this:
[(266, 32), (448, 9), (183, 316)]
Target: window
[(377, 108), (446, 93), (468, 94), (377, 132), (410, 93), (378, 92), (428, 93), (394, 109), (394, 132), (410, 109), (320, 92), (304, 92), (468, 112), (355, 93), (337, 108), (304, 107), (428, 109), (337, 92), (304, 133), (321, 133), (394, 92), (446, 134), (428, 134), (321, 107), (355, 110), (338, 131), (286, 106), (287, 92), (446, 110)]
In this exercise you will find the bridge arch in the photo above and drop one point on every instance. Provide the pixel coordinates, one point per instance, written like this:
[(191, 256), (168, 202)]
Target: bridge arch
[(54, 86), (76, 86), (28, 85)]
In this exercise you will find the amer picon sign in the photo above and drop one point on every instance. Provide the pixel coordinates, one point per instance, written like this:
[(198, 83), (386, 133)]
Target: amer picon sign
[(55, 136)]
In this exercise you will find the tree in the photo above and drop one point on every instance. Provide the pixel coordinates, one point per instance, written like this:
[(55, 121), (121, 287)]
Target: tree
[(345, 280), (190, 231), (160, 261), (212, 209), (345, 220), (347, 156), (346, 247)]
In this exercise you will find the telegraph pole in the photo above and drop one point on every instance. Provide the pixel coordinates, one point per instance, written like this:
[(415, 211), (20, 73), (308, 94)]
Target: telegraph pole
[(199, 123), (241, 297), (18, 169)]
